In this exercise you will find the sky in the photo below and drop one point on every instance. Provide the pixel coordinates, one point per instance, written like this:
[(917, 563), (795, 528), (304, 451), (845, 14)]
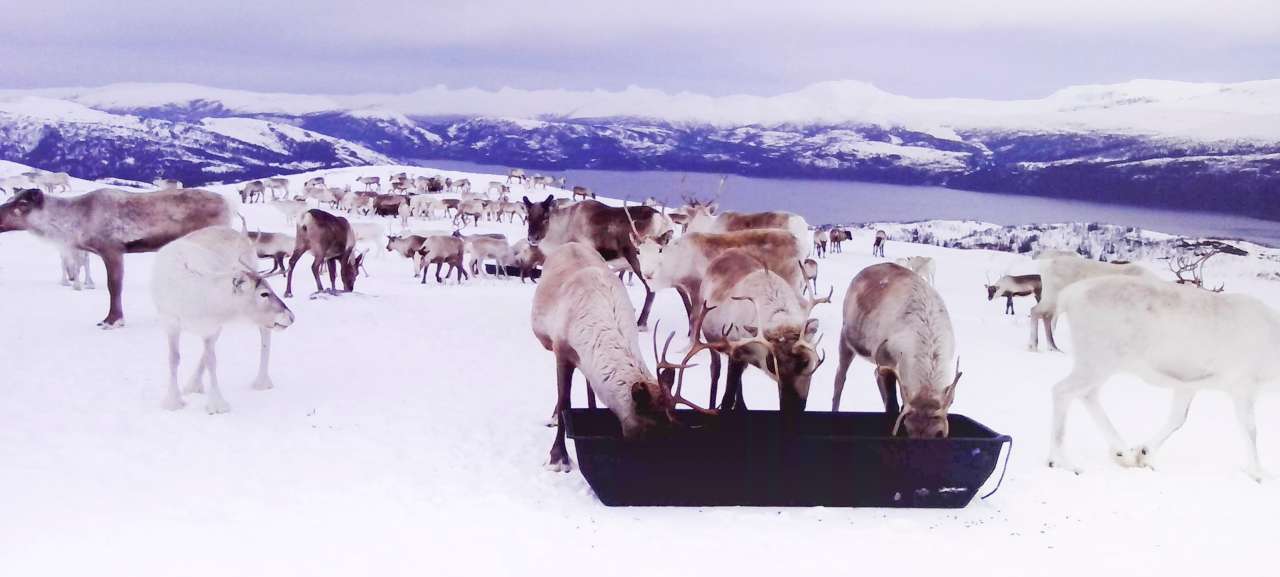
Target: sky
[(924, 48)]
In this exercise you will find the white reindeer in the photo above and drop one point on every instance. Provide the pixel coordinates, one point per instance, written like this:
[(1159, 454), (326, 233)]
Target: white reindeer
[(1060, 272), (278, 184), (1170, 335), (52, 180), (74, 261), (167, 183), (921, 265), (201, 282)]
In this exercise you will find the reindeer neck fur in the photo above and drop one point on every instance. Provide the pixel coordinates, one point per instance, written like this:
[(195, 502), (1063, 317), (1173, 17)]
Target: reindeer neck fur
[(60, 220), (604, 336), (924, 344)]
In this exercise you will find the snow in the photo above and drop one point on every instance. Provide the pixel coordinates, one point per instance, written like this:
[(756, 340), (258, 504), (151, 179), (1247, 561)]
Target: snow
[(277, 137), (1201, 111), (405, 437)]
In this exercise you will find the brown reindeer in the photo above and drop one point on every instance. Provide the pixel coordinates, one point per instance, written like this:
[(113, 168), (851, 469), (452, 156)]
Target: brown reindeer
[(112, 223), (331, 241), (441, 250), (1014, 286), (582, 193), (877, 247), (275, 246), (615, 232), (527, 258)]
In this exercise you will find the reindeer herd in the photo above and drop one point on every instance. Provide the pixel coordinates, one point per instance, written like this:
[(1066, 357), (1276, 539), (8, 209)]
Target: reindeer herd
[(748, 283)]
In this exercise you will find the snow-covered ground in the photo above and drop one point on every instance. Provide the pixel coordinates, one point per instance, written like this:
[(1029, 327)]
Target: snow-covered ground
[(405, 437)]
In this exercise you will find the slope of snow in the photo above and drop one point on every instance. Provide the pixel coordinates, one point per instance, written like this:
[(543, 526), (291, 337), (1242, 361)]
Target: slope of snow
[(277, 137), (405, 436)]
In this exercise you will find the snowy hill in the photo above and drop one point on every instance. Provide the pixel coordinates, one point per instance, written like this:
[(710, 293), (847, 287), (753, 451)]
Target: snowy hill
[(1155, 143), (405, 431)]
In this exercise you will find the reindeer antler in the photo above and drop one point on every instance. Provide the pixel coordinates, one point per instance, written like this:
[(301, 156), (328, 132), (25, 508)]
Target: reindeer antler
[(662, 362), (627, 212), (756, 338), (817, 301)]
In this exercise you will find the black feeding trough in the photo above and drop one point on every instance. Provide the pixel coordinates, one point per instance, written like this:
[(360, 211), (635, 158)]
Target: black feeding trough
[(513, 271), (760, 458)]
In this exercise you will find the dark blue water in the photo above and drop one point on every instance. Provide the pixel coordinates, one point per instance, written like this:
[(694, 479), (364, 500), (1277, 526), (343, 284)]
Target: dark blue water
[(831, 201)]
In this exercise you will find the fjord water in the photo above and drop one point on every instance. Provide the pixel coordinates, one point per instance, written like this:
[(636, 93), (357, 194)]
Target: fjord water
[(835, 201)]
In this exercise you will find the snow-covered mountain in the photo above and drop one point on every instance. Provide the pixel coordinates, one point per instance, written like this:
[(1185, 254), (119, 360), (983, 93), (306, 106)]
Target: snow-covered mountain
[(1172, 144)]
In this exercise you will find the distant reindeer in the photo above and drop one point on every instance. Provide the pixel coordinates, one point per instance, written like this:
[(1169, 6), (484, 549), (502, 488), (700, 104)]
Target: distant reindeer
[(200, 282), (484, 247), (330, 241), (370, 182), (51, 180), (1014, 286), (1178, 337), (838, 237), (705, 218), (167, 183), (314, 182), (75, 262), (821, 237), (278, 184), (111, 223), (899, 322), (582, 193), (921, 265), (251, 190), (582, 315), (291, 209), (877, 246), (441, 250), (515, 174), (275, 246)]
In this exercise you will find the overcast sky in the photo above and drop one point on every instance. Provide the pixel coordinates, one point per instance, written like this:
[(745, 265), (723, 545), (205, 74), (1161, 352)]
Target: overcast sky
[(928, 48)]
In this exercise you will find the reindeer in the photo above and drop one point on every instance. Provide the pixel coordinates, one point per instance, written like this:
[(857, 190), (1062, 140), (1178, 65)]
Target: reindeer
[(582, 315), (424, 205), (275, 246), (582, 193), (370, 182), (200, 282), (314, 182), (517, 175), (14, 183), (486, 246), (704, 218), (463, 185), (408, 247), (111, 223), (527, 257), (877, 246), (291, 209), (251, 190), (496, 189), (921, 265), (1014, 286), (51, 180), (758, 318), (441, 250), (809, 268), (838, 237), (274, 184), (1057, 274), (331, 241), (900, 323), (1178, 337), (473, 208), (614, 232), (74, 261), (821, 238), (167, 183)]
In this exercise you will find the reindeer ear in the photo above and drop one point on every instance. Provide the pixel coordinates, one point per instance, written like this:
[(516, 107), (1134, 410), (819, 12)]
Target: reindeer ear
[(550, 201), (883, 357), (527, 202), (640, 394), (238, 283), (810, 329), (667, 377)]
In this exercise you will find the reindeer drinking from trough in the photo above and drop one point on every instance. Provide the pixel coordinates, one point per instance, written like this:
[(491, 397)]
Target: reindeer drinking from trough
[(331, 241), (896, 320), (615, 232), (582, 315), (202, 281), (1170, 335), (1014, 286), (112, 223)]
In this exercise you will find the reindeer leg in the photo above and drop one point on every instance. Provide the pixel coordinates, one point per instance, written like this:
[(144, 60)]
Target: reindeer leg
[(1033, 344), (316, 263), (1124, 456), (1049, 321), (887, 381), (733, 386), (333, 276), (1245, 415), (715, 377), (293, 260), (559, 458), (591, 397), (263, 381), (1179, 406), (173, 400), (842, 371), (1077, 384), (114, 261), (633, 259)]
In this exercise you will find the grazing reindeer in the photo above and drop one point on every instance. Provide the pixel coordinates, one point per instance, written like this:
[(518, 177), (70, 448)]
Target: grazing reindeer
[(821, 237), (582, 193), (496, 189), (615, 232), (251, 190), (291, 209), (1169, 335), (167, 183), (1057, 274), (1014, 286), (527, 257), (74, 261), (515, 174), (389, 204), (758, 318), (473, 208), (482, 247), (281, 184), (331, 241), (275, 246), (899, 322), (51, 180), (463, 185), (921, 265), (314, 182), (408, 247), (877, 246), (112, 223), (582, 315), (441, 250), (202, 281), (838, 237), (704, 218), (370, 182)]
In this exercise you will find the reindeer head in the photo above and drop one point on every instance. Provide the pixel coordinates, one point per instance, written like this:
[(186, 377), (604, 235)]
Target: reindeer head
[(351, 269), (926, 396), (13, 214), (787, 351), (539, 217), (261, 304), (991, 289)]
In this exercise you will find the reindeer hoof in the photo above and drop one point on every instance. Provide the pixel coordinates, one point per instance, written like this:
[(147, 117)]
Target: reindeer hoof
[(217, 406), (558, 466), (193, 387), (1143, 456), (77, 286), (1064, 465), (262, 384), (172, 403), (1127, 458), (89, 286), (107, 325)]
